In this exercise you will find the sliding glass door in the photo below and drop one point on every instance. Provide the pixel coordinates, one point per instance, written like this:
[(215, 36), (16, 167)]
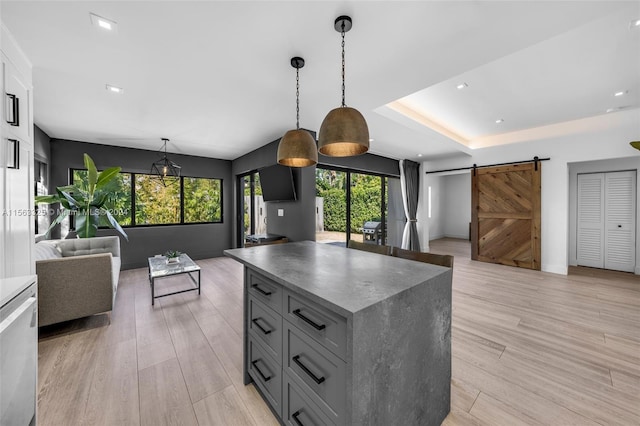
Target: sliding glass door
[(253, 213), (354, 206)]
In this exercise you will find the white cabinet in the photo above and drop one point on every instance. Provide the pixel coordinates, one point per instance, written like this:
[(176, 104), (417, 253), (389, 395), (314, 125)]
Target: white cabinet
[(16, 161)]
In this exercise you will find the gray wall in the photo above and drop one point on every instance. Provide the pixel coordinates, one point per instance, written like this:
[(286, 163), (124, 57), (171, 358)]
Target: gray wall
[(298, 222), (41, 145), (198, 240)]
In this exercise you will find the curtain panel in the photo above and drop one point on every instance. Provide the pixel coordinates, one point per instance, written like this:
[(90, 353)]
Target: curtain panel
[(410, 185)]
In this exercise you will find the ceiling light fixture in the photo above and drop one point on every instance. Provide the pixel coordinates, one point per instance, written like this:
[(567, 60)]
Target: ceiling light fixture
[(343, 131), (297, 147), (114, 89), (103, 23), (499, 120), (635, 144), (166, 169), (634, 24), (462, 86), (621, 93)]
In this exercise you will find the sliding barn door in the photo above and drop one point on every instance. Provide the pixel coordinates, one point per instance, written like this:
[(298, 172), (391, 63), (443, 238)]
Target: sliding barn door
[(505, 217)]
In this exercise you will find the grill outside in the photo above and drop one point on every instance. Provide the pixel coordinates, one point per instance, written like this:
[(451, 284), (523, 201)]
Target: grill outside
[(371, 232)]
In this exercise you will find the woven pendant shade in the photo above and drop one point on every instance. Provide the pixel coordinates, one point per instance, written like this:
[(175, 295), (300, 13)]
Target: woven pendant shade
[(297, 149), (343, 133)]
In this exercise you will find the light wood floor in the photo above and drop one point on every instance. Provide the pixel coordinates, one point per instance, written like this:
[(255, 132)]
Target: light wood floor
[(528, 348)]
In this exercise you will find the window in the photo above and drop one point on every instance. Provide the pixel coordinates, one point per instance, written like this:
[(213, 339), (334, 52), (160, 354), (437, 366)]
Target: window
[(157, 204), (138, 199), (119, 201), (202, 200)]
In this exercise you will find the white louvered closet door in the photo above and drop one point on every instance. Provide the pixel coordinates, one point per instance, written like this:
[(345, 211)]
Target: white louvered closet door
[(590, 247), (620, 221), (607, 220)]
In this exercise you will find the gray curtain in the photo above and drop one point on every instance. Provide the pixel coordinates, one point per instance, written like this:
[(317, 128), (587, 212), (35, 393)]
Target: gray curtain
[(410, 183)]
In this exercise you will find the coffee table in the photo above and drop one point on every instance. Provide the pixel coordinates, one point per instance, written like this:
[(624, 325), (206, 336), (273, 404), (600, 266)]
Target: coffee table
[(159, 268)]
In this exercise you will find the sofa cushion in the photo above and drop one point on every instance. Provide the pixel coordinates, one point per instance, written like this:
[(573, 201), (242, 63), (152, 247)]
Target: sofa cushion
[(84, 246), (45, 250)]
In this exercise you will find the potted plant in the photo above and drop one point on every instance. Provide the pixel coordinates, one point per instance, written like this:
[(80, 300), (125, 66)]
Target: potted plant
[(85, 201), (173, 256)]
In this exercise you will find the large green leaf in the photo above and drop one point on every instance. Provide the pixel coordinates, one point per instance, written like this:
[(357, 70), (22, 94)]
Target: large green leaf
[(114, 223), (107, 176), (86, 225), (92, 173), (71, 203), (47, 199)]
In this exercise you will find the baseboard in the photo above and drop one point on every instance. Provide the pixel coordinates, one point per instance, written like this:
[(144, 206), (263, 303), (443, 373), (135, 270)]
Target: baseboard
[(637, 270), (556, 269)]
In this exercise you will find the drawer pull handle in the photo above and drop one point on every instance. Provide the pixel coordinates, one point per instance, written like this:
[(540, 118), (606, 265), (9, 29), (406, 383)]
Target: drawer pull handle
[(255, 321), (308, 321), (316, 379), (254, 363), (266, 293), (294, 416)]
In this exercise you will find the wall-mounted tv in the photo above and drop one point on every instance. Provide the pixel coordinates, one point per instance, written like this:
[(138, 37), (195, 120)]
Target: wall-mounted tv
[(277, 183)]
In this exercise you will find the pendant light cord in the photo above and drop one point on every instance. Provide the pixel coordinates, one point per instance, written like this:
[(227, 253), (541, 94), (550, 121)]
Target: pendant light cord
[(297, 99), (343, 87)]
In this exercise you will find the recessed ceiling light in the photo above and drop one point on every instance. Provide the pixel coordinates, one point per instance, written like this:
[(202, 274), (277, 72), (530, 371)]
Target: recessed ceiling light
[(634, 24), (114, 89), (103, 23), (621, 93), (462, 86), (371, 139), (499, 120), (610, 109), (419, 155)]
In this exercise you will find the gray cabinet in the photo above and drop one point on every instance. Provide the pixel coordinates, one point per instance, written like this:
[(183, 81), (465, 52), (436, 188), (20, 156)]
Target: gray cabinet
[(335, 336)]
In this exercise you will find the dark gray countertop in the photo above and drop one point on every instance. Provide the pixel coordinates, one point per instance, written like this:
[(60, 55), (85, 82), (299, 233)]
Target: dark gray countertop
[(344, 280)]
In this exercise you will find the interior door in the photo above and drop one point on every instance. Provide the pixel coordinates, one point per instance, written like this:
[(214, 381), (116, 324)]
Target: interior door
[(620, 221), (607, 220), (590, 245), (505, 222)]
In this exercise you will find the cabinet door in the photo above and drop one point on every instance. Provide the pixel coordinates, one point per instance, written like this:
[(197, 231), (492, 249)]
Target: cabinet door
[(18, 223), (16, 86)]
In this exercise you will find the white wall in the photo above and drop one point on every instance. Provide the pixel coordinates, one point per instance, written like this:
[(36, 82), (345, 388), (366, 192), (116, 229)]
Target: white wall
[(597, 138), (456, 205), (613, 165)]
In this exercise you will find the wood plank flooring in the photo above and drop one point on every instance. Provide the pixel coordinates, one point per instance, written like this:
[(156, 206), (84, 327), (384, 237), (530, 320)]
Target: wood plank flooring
[(528, 348)]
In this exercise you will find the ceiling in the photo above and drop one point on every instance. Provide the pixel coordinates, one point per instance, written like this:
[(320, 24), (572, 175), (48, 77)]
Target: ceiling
[(214, 76)]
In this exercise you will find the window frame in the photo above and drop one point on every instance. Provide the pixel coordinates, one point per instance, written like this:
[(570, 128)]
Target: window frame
[(132, 176)]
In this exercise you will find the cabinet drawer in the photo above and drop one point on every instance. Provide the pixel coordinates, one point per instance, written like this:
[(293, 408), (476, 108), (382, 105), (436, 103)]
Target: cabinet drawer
[(326, 327), (266, 326), (265, 290), (298, 409), (266, 373), (317, 371)]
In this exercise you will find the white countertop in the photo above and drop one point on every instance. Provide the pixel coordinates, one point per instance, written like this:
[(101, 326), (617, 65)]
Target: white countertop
[(11, 287)]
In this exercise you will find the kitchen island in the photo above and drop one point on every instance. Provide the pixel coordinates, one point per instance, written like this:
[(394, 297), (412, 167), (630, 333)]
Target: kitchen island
[(341, 336)]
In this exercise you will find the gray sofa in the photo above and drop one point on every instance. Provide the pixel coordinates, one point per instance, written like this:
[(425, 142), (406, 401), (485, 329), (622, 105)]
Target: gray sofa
[(76, 277)]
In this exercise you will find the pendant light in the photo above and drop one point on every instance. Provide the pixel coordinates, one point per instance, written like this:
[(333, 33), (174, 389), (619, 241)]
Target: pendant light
[(344, 131), (297, 147), (635, 144), (165, 168)]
